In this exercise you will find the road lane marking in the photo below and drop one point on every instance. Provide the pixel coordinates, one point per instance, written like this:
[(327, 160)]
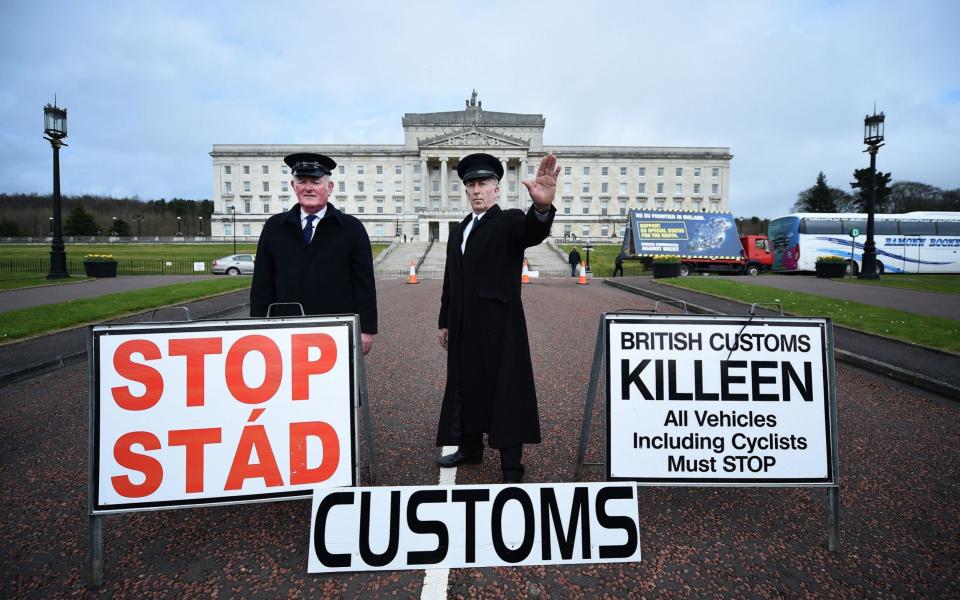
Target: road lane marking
[(435, 581)]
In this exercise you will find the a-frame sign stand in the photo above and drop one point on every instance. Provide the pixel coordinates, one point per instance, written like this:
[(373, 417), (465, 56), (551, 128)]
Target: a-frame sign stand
[(596, 371)]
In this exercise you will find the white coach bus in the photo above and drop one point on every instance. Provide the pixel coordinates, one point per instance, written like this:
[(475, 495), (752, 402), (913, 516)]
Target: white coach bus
[(916, 242)]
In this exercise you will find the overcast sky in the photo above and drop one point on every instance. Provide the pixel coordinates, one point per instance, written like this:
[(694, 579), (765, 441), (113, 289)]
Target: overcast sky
[(151, 86)]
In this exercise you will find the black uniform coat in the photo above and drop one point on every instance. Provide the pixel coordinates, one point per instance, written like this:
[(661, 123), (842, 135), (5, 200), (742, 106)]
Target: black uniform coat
[(331, 275), (490, 385)]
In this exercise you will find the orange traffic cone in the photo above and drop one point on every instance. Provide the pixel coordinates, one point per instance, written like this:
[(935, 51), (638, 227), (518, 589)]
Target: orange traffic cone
[(582, 280), (525, 277), (412, 277)]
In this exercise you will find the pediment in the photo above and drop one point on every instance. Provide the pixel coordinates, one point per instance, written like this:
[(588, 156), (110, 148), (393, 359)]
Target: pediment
[(474, 137)]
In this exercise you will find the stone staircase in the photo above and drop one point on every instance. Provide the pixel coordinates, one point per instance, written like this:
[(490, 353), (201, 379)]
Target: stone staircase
[(397, 262), (431, 258)]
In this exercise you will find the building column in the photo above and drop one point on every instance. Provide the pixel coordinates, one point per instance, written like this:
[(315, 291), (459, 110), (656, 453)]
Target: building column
[(522, 189), (504, 184), (443, 184), (424, 183)]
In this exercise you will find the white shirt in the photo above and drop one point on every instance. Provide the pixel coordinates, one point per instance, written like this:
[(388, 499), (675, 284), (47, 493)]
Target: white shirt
[(303, 219), (468, 229)]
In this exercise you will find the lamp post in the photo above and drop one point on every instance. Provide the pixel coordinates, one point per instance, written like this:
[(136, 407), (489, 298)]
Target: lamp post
[(51, 226), (55, 128), (588, 246), (115, 227), (138, 219), (200, 226), (178, 227), (873, 138), (233, 226)]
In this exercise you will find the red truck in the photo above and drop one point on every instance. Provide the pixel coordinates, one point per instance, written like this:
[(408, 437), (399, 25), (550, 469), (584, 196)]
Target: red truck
[(702, 241), (757, 256)]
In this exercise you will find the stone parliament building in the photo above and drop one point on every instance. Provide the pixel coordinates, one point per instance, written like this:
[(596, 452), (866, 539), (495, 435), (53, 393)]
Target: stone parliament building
[(411, 191)]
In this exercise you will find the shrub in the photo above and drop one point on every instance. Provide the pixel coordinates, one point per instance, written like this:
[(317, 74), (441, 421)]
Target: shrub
[(99, 258), (665, 259), (831, 259)]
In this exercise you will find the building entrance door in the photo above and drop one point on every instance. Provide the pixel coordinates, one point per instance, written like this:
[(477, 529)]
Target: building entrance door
[(434, 231)]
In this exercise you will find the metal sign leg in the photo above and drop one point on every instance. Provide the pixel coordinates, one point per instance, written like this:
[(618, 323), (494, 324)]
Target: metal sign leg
[(367, 423), (591, 394), (833, 499), (95, 550)]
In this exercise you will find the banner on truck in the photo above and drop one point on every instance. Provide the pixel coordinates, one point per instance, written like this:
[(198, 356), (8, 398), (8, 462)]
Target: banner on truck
[(684, 234)]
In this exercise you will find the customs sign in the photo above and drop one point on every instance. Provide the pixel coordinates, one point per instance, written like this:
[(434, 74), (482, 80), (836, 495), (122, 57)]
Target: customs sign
[(720, 400)]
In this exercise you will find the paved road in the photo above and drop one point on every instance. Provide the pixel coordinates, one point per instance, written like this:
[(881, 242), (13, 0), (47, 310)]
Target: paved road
[(900, 469), (90, 288)]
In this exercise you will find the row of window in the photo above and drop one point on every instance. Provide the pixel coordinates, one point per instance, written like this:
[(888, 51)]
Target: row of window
[(245, 169), (245, 186), (641, 188), (398, 170), (379, 230), (511, 187), (567, 202), (641, 171)]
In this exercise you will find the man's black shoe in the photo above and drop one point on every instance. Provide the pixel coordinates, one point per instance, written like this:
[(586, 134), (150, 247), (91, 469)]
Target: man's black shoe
[(459, 458), (513, 475)]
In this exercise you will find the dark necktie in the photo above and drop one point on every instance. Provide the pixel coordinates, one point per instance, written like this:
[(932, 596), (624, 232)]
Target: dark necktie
[(308, 230), (473, 226)]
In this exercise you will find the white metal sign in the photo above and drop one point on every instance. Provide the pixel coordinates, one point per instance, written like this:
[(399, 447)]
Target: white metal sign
[(719, 400), (221, 412), (389, 528)]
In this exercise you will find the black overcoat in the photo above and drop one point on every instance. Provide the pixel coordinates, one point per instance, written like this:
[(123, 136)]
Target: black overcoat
[(331, 275), (490, 385)]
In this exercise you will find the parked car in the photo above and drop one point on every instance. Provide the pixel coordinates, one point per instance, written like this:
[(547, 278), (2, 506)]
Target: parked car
[(236, 264)]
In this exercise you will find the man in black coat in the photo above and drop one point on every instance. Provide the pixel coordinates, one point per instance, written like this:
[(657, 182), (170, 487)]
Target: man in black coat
[(314, 254), (490, 385), (574, 260)]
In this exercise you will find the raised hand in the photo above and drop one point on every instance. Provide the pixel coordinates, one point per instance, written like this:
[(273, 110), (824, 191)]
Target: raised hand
[(544, 187)]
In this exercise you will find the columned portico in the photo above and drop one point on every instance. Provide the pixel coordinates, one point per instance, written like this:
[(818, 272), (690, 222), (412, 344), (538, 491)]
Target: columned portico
[(444, 204), (522, 189), (424, 183)]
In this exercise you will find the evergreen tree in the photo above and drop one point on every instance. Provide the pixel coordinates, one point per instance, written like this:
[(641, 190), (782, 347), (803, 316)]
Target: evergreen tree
[(862, 183), (80, 222), (9, 228), (121, 228), (817, 199)]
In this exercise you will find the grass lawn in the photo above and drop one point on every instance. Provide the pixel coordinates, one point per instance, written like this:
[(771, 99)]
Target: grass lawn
[(932, 332), (22, 323), (602, 259), (943, 283)]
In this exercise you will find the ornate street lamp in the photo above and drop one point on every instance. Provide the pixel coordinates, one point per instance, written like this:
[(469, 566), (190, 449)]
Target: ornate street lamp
[(115, 227), (873, 138), (178, 227), (55, 129), (200, 226), (233, 226), (588, 246)]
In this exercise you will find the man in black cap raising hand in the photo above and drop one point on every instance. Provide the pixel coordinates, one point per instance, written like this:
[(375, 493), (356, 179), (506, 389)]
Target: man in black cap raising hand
[(490, 385), (314, 254)]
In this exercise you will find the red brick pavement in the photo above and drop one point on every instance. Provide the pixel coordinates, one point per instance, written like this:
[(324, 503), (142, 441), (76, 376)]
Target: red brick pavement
[(899, 467)]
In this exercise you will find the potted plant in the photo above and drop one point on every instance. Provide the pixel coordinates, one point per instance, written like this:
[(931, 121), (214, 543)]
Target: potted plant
[(100, 265), (831, 266), (666, 266)]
